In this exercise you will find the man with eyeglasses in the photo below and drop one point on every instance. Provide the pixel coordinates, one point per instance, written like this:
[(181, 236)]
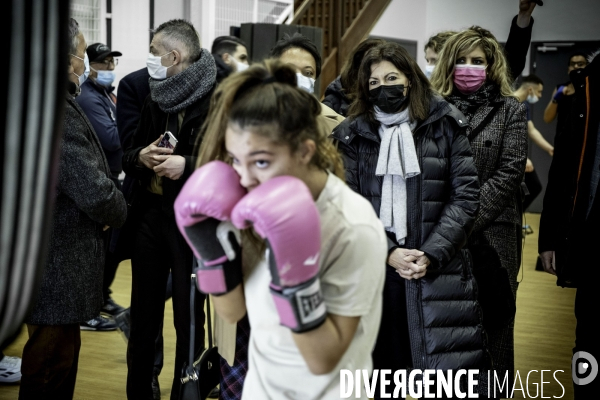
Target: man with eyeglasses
[(561, 101), (99, 105)]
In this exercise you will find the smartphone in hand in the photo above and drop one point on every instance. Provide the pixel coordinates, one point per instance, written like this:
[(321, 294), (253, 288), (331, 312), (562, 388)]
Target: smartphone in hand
[(168, 141)]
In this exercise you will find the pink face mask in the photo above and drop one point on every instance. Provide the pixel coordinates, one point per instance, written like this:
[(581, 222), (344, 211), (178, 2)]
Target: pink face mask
[(468, 78)]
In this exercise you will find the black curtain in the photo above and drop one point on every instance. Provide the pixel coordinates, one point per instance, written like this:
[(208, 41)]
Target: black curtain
[(32, 92)]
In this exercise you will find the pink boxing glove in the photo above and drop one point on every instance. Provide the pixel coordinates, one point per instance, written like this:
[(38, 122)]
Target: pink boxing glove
[(202, 211), (283, 212)]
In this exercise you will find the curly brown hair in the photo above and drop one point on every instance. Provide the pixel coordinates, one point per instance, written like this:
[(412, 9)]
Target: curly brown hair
[(463, 43)]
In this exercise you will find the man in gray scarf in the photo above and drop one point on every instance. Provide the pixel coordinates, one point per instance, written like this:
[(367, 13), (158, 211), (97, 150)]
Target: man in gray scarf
[(182, 80)]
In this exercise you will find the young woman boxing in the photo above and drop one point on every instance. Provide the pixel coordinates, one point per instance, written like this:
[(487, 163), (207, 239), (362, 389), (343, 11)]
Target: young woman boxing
[(313, 250)]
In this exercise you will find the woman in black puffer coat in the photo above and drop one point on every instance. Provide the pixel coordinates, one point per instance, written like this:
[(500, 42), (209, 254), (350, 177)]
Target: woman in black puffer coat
[(431, 318)]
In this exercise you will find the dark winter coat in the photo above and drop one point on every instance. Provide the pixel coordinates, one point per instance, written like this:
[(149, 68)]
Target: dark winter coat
[(102, 113), (444, 316), (132, 93), (517, 46), (566, 227), (133, 90), (336, 99), (152, 124), (86, 201)]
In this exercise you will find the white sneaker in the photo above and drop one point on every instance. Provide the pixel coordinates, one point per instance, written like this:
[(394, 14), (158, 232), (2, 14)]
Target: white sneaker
[(10, 369)]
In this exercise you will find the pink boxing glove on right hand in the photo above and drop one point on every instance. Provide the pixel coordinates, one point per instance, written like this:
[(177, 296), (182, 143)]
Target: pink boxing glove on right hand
[(283, 212), (202, 212)]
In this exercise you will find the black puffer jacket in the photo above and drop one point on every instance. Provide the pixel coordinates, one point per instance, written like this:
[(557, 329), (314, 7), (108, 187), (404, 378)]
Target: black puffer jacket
[(336, 99), (444, 316)]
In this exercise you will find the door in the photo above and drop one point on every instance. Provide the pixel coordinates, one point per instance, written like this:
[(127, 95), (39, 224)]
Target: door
[(549, 61)]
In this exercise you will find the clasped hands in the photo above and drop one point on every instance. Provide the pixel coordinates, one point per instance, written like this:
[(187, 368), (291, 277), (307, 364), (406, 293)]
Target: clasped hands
[(409, 263), (161, 160)]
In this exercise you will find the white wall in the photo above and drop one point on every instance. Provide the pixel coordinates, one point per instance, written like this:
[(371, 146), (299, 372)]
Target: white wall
[(165, 10), (130, 30), (556, 20), (131, 19), (130, 35), (405, 19)]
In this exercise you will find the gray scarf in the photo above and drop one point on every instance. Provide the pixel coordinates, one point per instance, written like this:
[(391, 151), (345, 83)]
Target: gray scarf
[(397, 162), (179, 91)]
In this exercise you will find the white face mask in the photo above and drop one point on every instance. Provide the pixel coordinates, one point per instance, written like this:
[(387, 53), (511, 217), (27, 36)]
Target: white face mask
[(306, 83), (532, 99), (155, 67), (240, 66), (429, 70), (86, 71)]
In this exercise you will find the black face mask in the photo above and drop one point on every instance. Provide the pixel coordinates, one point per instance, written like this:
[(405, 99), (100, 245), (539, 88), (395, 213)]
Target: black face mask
[(389, 99)]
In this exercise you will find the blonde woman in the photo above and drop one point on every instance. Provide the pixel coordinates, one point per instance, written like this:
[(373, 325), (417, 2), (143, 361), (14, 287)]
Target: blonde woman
[(472, 74)]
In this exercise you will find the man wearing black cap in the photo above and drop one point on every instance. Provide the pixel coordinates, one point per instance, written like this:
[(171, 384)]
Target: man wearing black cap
[(99, 104)]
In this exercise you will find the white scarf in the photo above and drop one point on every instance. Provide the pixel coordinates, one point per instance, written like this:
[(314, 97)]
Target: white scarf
[(397, 162)]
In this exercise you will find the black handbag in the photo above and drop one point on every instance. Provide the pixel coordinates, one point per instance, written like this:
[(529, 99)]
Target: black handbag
[(199, 377), (495, 295)]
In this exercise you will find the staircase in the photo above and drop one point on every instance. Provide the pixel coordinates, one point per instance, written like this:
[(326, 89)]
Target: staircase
[(345, 23)]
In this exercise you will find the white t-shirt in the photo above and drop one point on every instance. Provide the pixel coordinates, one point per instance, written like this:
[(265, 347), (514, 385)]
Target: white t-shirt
[(352, 272)]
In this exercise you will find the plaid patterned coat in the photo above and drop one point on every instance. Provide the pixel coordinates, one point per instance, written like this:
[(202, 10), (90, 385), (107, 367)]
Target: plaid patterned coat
[(498, 135)]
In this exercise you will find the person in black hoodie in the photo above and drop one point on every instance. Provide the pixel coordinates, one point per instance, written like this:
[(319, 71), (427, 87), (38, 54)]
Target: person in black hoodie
[(405, 150), (570, 218), (182, 80), (230, 55)]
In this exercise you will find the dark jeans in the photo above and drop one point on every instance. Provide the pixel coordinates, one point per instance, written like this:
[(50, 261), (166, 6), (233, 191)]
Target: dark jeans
[(159, 248), (50, 360), (534, 186), (111, 261), (159, 354), (392, 349), (586, 335)]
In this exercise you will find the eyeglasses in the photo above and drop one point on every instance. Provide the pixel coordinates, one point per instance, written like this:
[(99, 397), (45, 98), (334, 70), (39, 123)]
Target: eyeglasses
[(114, 62), (578, 64)]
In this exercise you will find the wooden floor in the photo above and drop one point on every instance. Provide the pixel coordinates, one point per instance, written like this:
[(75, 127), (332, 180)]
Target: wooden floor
[(544, 337)]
